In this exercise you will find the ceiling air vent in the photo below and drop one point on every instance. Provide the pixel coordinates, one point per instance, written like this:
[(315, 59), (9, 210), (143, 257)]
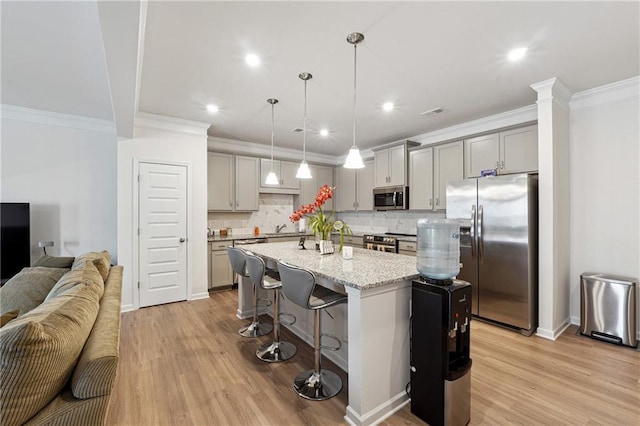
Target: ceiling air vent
[(298, 130), (434, 111)]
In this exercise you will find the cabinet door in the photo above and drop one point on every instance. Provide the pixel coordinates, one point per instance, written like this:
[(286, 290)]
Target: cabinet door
[(381, 166), (448, 165), (365, 181), (397, 165), (345, 193), (481, 153), (221, 271), (219, 181), (265, 168), (421, 179), (247, 186), (519, 150), (288, 171), (325, 177), (209, 274)]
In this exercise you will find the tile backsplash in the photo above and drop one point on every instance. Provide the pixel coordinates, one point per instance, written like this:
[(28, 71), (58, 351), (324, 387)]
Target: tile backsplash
[(374, 222), (275, 209)]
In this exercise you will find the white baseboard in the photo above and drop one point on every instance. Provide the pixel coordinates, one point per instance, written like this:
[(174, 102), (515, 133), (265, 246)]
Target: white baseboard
[(198, 296), (555, 333), (378, 414), (128, 308)]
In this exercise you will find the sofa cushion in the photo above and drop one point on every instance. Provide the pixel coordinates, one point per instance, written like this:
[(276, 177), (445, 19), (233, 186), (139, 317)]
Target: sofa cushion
[(102, 260), (40, 349), (85, 273), (54, 261), (5, 318), (28, 288)]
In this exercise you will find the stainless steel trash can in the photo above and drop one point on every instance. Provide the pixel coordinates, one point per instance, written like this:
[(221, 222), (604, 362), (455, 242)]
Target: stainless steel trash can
[(608, 308)]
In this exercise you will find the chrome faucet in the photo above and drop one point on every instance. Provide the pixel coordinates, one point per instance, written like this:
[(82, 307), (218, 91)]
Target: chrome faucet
[(280, 227)]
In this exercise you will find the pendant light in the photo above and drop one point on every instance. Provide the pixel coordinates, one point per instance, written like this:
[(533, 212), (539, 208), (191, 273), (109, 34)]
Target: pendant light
[(354, 160), (272, 179), (303, 170)]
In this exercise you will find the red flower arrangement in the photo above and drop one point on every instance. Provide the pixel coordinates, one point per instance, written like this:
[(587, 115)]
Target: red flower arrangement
[(320, 223)]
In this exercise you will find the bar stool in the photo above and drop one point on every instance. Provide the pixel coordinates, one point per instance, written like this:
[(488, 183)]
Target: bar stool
[(299, 285), (276, 351), (237, 257)]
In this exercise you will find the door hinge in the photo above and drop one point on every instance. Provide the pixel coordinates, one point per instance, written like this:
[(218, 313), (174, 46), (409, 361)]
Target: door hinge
[(138, 178)]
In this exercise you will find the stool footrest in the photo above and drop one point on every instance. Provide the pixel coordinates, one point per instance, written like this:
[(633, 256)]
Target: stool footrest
[(331, 348)]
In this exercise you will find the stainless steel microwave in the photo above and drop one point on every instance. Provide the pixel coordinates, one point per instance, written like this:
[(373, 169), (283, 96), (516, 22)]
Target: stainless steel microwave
[(391, 198)]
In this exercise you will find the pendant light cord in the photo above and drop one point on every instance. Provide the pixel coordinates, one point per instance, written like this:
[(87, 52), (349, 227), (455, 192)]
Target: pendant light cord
[(272, 125), (304, 125), (355, 55)]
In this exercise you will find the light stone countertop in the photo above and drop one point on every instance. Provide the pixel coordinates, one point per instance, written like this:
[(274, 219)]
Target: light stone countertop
[(252, 236), (367, 269)]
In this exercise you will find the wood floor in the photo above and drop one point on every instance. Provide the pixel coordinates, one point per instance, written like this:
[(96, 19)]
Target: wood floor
[(185, 364)]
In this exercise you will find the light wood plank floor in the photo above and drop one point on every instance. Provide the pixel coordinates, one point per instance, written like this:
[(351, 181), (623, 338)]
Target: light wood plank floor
[(184, 364)]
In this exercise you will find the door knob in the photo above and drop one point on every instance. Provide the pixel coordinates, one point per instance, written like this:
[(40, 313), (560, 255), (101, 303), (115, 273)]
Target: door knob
[(182, 240)]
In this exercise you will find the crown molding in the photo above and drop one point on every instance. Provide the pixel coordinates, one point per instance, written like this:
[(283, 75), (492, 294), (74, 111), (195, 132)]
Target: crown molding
[(613, 92), (514, 117), (145, 120), (50, 118), (232, 146), (552, 89)]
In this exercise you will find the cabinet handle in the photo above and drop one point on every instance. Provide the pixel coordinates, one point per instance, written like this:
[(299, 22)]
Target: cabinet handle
[(430, 201), (237, 204), (502, 164), (437, 201), (497, 164), (230, 203)]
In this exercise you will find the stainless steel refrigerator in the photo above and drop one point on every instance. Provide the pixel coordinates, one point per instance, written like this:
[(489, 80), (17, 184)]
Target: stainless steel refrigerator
[(499, 246)]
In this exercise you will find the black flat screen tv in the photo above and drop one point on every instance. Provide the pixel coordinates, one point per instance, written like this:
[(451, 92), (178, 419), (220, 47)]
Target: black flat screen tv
[(15, 238)]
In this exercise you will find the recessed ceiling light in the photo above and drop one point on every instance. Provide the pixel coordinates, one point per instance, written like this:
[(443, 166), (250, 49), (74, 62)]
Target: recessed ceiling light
[(517, 54), (324, 132), (212, 108), (252, 60), (388, 106)]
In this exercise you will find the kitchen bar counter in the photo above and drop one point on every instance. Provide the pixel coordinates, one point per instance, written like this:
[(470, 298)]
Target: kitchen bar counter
[(367, 269), (373, 326)]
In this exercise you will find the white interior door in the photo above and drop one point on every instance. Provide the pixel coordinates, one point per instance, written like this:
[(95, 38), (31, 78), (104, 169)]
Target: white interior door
[(162, 220)]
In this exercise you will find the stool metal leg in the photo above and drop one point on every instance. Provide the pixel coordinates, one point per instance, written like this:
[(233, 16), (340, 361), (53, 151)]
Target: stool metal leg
[(256, 328), (276, 351), (317, 384)]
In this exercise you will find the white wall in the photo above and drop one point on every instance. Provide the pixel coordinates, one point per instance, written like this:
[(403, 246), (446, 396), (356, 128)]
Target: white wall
[(65, 166), (605, 184), (171, 147)]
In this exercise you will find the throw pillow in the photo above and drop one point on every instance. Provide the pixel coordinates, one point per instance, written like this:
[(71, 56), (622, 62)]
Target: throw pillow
[(28, 288), (84, 273), (101, 259), (5, 318), (39, 351), (54, 261)]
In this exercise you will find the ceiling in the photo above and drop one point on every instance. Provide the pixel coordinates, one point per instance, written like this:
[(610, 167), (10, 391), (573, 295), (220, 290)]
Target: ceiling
[(419, 55), (86, 59)]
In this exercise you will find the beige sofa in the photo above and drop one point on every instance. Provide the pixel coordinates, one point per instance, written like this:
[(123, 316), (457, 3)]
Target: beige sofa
[(59, 358)]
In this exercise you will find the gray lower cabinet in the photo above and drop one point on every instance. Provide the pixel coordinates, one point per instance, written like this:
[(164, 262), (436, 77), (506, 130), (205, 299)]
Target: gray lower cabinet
[(407, 247), (220, 273)]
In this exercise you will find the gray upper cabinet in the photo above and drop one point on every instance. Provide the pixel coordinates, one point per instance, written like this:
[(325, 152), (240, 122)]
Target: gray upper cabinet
[(220, 182), (421, 179), (286, 172), (510, 151), (320, 175), (429, 171), (232, 182), (390, 165), (354, 188)]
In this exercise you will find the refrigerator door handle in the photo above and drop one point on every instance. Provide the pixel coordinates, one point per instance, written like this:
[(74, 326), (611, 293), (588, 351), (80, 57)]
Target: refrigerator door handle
[(480, 236), (473, 232)]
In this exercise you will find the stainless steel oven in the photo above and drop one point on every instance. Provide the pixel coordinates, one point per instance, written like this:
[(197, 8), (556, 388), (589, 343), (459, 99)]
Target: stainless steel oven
[(391, 198), (384, 243)]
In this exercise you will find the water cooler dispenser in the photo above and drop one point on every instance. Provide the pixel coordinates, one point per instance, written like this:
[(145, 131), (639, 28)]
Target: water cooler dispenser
[(440, 332)]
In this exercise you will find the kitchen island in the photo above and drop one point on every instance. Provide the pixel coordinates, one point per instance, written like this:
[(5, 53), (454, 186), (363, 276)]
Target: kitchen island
[(373, 326)]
